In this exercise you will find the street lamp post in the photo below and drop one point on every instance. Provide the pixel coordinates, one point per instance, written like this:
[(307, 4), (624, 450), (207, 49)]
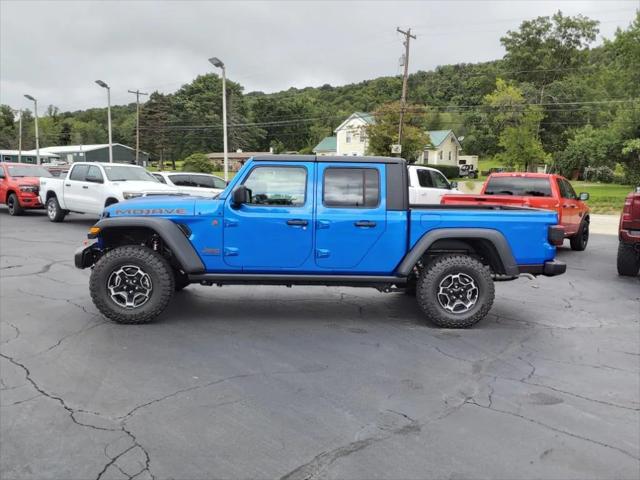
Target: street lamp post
[(35, 112), (104, 85), (216, 62)]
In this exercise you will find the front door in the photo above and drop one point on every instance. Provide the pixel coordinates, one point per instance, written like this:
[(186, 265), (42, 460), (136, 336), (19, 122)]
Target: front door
[(351, 213), (274, 231), (570, 206)]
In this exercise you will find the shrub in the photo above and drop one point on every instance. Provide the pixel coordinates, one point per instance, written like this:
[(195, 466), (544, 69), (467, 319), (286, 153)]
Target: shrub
[(197, 162), (599, 174), (449, 171)]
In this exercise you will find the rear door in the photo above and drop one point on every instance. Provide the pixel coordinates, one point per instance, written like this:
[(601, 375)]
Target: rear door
[(274, 231), (351, 213), (75, 188)]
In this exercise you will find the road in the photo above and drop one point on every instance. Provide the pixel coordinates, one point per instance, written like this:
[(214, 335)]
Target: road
[(314, 382)]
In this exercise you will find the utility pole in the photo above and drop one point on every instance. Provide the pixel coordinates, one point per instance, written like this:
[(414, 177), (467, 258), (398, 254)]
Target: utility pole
[(19, 112), (405, 77), (137, 94)]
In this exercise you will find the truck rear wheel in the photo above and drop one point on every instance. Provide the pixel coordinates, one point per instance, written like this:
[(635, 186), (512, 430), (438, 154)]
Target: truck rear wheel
[(131, 284), (455, 291), (628, 260), (54, 212)]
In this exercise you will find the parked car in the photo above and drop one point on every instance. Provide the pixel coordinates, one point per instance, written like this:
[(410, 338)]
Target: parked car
[(428, 185), (629, 236), (468, 170), (88, 187), (535, 190), (198, 184), (19, 186), (307, 220)]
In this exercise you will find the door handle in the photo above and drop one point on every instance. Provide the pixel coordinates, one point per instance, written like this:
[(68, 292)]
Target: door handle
[(297, 222), (85, 186), (365, 224), (67, 184)]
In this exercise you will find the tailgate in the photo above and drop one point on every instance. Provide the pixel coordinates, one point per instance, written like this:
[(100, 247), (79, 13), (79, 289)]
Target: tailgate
[(485, 200)]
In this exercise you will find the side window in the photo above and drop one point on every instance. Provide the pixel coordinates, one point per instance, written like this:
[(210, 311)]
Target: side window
[(182, 180), (571, 193), (160, 178), (79, 173), (219, 183), (281, 186), (424, 179), (202, 181), (439, 181), (95, 174), (351, 188)]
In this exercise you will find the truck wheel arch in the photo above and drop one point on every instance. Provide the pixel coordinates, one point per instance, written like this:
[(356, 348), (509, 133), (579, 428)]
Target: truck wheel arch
[(110, 201), (491, 244), (174, 237)]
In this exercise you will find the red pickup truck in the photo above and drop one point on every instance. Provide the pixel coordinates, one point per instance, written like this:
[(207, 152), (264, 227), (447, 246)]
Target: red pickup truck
[(19, 186), (535, 190), (629, 236)]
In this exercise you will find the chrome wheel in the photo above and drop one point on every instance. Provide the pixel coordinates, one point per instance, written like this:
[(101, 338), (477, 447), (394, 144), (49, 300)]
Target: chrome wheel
[(51, 209), (458, 293), (129, 286)]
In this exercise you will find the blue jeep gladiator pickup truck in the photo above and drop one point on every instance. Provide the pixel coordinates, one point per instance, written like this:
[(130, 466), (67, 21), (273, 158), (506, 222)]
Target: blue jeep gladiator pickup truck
[(307, 220)]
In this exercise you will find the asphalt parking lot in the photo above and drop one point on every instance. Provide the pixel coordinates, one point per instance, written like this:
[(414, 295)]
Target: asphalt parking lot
[(314, 382)]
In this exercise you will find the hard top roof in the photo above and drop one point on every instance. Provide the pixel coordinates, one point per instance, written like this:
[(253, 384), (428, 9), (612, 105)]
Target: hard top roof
[(327, 158)]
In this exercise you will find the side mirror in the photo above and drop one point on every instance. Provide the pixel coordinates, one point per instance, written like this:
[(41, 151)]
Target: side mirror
[(584, 196), (240, 195), (453, 185)]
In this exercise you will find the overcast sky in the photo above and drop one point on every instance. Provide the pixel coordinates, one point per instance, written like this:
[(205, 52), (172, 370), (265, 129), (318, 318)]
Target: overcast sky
[(55, 50)]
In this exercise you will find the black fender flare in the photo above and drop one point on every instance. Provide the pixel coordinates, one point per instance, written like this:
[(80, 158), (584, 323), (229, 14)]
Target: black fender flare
[(496, 239), (170, 233)]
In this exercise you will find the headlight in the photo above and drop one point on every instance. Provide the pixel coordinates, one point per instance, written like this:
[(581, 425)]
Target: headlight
[(29, 188), (130, 195)]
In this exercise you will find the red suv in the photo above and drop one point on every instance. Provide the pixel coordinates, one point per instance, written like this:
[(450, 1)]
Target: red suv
[(629, 236), (20, 185)]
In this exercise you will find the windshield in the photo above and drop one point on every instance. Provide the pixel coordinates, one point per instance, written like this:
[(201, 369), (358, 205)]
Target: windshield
[(519, 186), (121, 173), (28, 171)]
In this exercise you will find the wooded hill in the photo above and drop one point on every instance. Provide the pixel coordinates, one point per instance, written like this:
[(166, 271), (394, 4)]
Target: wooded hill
[(580, 103)]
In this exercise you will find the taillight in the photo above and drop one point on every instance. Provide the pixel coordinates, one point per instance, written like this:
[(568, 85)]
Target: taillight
[(556, 235)]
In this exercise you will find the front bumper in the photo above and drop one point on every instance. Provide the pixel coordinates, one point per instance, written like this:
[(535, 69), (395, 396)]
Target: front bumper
[(548, 269), (87, 256), (30, 200)]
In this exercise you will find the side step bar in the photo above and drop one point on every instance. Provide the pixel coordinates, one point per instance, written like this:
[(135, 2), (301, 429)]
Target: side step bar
[(285, 279)]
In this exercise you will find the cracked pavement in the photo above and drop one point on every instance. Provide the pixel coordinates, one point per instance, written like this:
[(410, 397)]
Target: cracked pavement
[(314, 382)]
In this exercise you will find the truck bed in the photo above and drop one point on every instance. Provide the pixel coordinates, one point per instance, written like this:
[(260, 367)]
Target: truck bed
[(548, 203)]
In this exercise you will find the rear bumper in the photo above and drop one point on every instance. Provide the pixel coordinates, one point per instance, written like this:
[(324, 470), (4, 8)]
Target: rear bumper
[(548, 269)]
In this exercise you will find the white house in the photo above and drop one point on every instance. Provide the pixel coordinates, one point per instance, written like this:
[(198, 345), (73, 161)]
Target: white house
[(444, 149), (351, 135)]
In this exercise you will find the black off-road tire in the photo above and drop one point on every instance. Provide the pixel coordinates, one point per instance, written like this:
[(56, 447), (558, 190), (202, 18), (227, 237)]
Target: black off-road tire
[(579, 240), (429, 284), (15, 209), (153, 264), (628, 260), (54, 212)]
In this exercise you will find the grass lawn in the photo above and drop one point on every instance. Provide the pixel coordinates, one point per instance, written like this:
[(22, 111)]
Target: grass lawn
[(603, 197)]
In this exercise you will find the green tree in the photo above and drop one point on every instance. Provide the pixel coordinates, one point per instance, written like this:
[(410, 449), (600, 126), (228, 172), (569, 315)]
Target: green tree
[(197, 162), (384, 132), (8, 130), (518, 124), (631, 150)]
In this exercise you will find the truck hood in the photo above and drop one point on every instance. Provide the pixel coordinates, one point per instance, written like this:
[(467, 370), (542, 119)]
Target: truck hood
[(145, 187), (160, 205)]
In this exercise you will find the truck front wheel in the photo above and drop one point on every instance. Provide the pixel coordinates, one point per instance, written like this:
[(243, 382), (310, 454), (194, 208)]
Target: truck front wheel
[(455, 291), (54, 212), (132, 284)]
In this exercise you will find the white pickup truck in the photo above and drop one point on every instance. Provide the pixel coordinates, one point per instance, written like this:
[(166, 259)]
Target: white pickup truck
[(91, 186), (428, 185)]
